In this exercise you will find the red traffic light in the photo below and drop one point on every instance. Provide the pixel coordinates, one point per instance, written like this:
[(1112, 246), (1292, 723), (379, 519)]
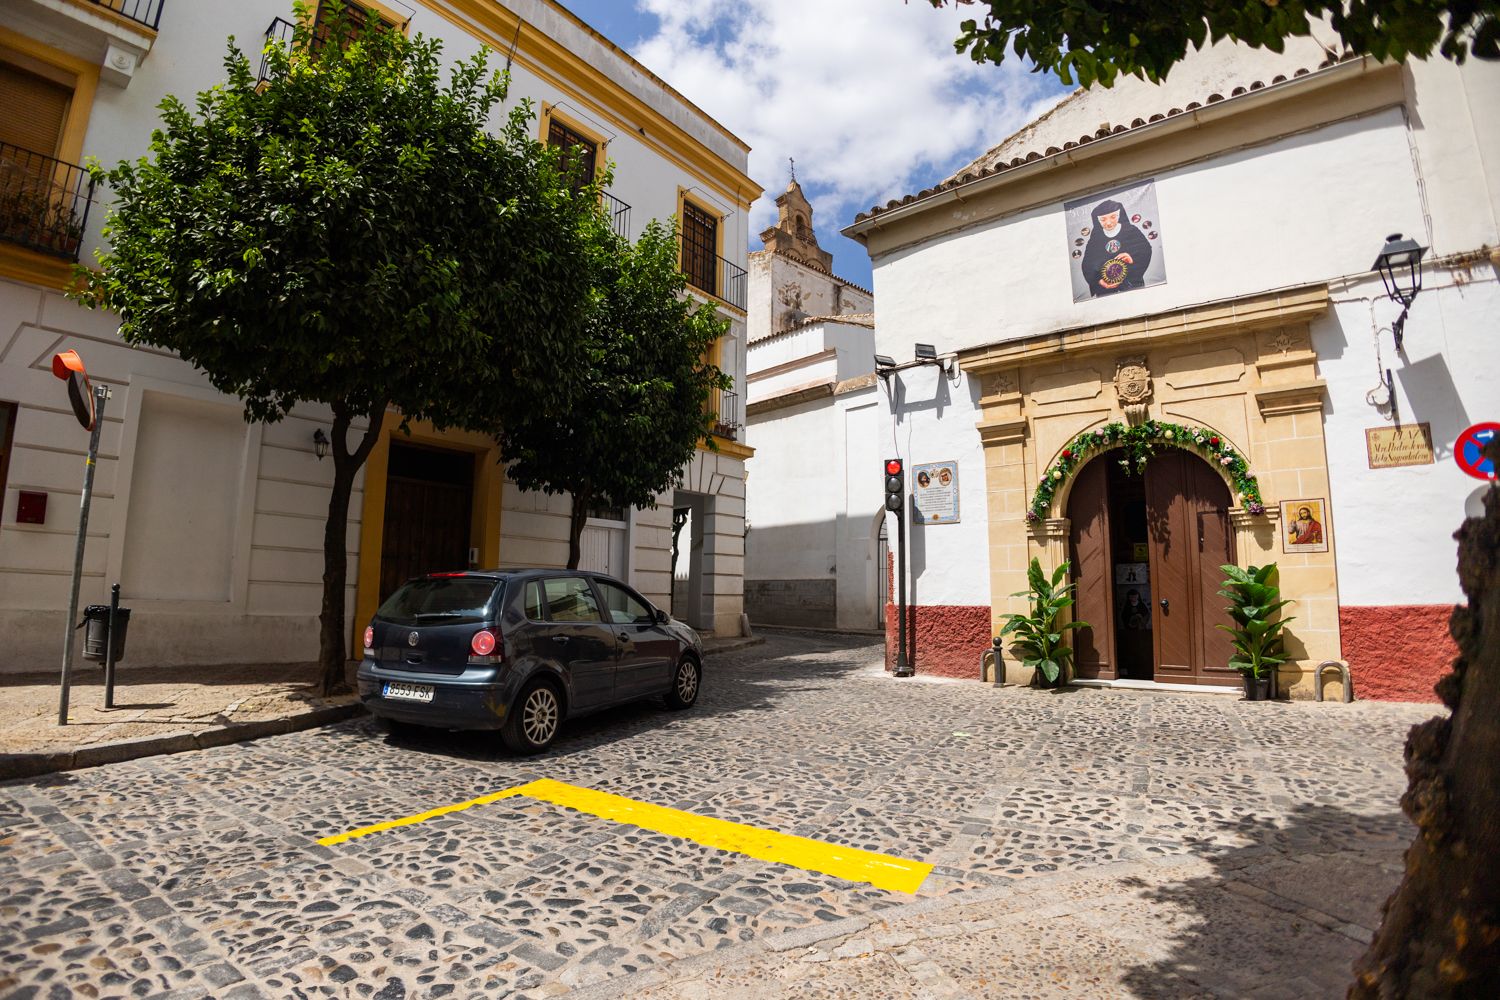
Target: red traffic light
[(893, 466)]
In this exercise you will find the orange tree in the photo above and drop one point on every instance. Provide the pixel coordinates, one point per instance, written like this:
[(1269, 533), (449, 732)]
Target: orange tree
[(1095, 40), (344, 230)]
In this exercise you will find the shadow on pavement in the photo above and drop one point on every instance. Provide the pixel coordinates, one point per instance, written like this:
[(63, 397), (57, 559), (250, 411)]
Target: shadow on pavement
[(1293, 908)]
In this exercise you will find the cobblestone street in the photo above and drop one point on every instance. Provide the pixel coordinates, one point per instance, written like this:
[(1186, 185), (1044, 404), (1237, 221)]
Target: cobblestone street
[(1087, 843)]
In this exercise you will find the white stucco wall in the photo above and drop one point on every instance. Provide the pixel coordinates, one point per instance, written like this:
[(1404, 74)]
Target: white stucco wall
[(1305, 208)]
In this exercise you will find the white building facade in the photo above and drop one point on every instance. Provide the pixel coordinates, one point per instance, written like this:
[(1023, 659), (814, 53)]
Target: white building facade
[(814, 550), (1248, 349), (213, 527)]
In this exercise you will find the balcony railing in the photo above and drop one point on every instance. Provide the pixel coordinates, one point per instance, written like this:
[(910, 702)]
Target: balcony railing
[(146, 12), (619, 214), (726, 409), (44, 203), (720, 278), (280, 33)]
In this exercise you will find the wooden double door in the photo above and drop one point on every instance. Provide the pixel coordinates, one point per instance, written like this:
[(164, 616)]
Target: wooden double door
[(1145, 550)]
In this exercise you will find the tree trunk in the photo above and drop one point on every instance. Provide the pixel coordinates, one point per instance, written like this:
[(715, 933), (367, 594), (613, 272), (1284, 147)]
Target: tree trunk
[(580, 513), (1440, 936), (346, 464)]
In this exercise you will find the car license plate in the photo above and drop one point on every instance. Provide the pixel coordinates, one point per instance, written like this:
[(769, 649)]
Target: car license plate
[(408, 692)]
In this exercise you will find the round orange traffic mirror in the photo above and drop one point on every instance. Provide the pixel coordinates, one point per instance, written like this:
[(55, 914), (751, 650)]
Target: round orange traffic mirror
[(68, 366)]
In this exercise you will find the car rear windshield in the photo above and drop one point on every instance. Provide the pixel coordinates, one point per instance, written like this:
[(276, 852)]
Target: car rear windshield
[(440, 600)]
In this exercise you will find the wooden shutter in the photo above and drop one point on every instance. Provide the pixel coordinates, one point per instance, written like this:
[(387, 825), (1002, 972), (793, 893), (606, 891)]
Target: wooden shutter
[(35, 108), (700, 248)]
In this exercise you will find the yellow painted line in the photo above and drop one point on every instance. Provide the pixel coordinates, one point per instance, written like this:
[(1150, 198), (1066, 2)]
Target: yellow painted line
[(884, 871)]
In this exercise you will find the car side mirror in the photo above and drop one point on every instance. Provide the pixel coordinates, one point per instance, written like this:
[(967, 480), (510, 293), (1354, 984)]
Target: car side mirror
[(662, 617)]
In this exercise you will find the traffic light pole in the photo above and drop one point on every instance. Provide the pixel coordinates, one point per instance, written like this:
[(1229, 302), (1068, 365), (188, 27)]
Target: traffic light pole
[(903, 669), (101, 396)]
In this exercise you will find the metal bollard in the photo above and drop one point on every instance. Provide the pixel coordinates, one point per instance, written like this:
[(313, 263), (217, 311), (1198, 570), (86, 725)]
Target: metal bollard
[(997, 663), (1343, 669)]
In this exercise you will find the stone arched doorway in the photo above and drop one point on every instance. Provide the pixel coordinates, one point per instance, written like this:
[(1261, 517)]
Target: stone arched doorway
[(1145, 547)]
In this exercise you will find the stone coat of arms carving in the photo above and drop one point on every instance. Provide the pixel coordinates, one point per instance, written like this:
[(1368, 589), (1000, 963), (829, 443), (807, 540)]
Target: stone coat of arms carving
[(1133, 388)]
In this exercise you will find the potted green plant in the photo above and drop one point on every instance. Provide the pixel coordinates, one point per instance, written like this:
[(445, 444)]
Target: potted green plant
[(1037, 638), (1257, 631)]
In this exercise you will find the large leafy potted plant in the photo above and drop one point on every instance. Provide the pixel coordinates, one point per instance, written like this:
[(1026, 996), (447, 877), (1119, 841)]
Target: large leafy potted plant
[(1037, 638), (1257, 630)]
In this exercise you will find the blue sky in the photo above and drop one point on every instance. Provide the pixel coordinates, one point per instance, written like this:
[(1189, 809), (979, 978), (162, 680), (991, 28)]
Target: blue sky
[(867, 95)]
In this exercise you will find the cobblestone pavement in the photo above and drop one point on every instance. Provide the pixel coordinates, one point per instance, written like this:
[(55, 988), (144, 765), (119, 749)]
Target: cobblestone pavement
[(1086, 842)]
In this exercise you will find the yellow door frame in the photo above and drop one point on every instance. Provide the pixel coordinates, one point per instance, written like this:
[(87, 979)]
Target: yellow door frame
[(485, 508)]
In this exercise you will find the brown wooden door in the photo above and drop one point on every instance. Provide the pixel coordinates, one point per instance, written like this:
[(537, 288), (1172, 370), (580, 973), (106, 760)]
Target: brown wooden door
[(1187, 507), (1088, 552), (426, 530)]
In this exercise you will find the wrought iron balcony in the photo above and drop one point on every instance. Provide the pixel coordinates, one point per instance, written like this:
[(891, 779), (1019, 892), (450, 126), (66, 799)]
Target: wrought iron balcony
[(44, 203), (716, 276), (145, 12), (619, 214), (281, 32), (726, 410)]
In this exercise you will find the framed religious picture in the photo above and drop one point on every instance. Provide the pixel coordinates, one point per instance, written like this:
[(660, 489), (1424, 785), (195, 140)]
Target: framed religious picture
[(1304, 525), (1115, 241)]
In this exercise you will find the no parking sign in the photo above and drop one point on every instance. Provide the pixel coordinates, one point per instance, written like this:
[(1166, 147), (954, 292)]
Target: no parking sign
[(1468, 451)]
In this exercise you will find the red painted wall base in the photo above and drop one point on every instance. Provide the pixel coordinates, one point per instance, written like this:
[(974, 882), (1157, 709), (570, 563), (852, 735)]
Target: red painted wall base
[(1397, 653), (947, 638)]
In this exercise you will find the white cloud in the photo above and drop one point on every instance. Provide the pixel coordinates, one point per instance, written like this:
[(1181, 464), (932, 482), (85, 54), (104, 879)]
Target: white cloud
[(868, 95)]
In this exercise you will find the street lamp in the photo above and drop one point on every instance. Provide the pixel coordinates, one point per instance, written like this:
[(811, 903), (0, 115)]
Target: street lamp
[(320, 443), (1400, 267)]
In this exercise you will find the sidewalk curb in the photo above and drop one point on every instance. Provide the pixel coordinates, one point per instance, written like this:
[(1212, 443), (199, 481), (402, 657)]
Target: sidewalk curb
[(733, 645), (31, 765)]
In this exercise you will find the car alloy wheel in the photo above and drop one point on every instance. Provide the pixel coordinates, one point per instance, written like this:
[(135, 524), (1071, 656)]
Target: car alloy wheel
[(687, 682), (539, 716)]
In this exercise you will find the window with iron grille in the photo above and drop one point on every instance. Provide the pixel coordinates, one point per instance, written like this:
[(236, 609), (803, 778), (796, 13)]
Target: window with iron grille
[(700, 248), (580, 153), (356, 16)]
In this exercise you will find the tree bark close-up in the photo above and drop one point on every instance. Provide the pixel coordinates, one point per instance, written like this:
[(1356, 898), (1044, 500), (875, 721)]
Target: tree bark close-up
[(1440, 935)]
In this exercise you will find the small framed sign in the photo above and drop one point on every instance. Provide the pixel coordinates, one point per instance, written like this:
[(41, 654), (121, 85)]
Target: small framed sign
[(936, 492), (1304, 525), (1394, 447)]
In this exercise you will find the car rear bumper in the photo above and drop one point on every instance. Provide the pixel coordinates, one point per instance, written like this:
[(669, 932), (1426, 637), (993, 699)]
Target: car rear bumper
[(475, 699)]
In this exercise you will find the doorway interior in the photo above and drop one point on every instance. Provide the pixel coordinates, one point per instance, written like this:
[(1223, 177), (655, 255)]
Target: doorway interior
[(428, 513), (1146, 547)]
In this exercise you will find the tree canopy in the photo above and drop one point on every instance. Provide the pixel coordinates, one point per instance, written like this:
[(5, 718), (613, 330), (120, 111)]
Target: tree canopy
[(642, 396), (343, 228), (1093, 41)]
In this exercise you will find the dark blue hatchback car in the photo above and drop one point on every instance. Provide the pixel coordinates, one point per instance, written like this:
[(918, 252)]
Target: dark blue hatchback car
[(520, 651)]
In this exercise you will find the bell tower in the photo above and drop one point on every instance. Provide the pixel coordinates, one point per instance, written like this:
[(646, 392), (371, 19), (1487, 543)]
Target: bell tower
[(793, 235)]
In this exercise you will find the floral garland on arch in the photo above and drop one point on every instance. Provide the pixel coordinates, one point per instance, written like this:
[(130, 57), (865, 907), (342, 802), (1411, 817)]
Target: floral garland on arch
[(1140, 443)]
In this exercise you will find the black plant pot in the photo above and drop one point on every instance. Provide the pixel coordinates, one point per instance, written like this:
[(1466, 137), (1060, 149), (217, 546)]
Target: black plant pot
[(1256, 688)]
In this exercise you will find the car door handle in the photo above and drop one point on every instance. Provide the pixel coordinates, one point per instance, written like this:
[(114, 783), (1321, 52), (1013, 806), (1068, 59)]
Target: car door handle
[(560, 639)]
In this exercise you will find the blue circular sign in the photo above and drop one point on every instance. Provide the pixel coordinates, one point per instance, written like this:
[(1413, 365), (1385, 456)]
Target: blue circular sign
[(1468, 451)]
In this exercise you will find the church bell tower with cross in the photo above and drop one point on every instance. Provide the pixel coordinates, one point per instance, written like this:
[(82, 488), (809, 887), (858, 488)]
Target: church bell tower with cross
[(793, 235)]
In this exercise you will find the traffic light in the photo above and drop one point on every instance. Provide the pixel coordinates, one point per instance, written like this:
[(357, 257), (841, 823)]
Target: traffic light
[(895, 485)]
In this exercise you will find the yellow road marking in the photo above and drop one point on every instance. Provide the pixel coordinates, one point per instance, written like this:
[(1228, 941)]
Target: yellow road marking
[(884, 871)]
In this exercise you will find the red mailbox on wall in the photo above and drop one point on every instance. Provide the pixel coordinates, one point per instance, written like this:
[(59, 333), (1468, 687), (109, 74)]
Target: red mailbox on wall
[(31, 507)]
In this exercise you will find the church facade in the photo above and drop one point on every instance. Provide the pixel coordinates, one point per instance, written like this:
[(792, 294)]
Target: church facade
[(1170, 351), (813, 552)]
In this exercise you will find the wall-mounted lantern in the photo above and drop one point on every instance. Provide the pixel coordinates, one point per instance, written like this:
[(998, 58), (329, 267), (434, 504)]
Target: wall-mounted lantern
[(320, 443), (1400, 267)]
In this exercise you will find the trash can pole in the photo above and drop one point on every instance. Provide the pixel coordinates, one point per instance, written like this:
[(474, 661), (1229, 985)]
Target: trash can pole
[(109, 648), (101, 396)]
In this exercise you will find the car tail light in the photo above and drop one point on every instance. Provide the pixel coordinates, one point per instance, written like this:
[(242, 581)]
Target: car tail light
[(483, 643), (369, 636)]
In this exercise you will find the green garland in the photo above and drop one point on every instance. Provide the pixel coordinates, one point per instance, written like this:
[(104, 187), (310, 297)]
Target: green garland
[(1140, 443)]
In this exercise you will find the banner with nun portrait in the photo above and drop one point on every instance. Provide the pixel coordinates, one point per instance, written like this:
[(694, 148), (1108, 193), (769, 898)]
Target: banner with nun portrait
[(1115, 242)]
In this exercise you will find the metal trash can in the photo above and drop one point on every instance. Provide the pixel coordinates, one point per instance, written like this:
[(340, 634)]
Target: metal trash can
[(96, 628)]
